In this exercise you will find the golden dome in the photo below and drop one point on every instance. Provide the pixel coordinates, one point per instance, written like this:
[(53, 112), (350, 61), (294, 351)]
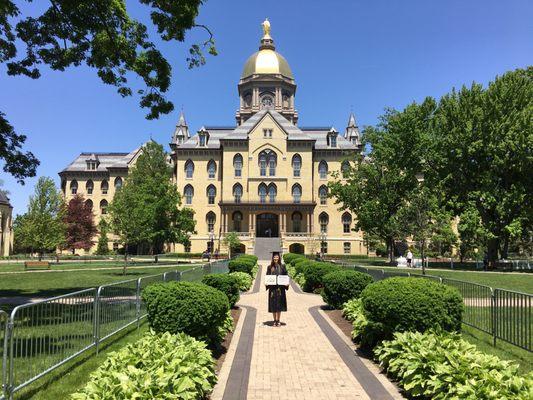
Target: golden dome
[(266, 60)]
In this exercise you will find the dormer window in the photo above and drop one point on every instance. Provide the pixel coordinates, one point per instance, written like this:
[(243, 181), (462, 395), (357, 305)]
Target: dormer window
[(203, 137), (267, 133), (92, 165), (332, 138)]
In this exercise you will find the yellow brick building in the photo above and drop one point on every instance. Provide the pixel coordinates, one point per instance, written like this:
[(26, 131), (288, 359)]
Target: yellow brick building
[(264, 178), (6, 225)]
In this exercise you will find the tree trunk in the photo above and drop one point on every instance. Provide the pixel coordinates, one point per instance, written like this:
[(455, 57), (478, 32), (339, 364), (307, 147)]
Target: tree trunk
[(125, 259), (391, 250), (492, 251), (40, 255), (505, 249), (422, 254)]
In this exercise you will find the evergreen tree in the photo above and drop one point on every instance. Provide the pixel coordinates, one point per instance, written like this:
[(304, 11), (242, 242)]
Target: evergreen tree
[(103, 246)]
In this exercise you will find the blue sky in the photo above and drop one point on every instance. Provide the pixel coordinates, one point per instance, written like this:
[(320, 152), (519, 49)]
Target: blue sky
[(365, 55)]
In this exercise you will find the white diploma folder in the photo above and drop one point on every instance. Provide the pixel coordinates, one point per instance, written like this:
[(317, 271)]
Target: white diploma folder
[(283, 280), (270, 280)]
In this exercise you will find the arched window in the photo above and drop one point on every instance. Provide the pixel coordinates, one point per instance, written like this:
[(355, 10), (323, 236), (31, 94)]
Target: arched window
[(272, 192), (296, 221), (210, 219), (323, 220), (103, 206), (189, 169), (267, 158), (237, 165), (323, 194), (346, 222), (296, 193), (104, 186), (211, 194), (211, 169), (89, 204), (118, 183), (272, 164), (345, 168), (89, 186), (323, 169), (347, 247), (74, 186), (296, 165), (237, 192), (237, 220), (262, 164), (188, 192), (262, 193)]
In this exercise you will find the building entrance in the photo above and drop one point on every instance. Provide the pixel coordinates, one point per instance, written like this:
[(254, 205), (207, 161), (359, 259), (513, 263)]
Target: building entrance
[(267, 225)]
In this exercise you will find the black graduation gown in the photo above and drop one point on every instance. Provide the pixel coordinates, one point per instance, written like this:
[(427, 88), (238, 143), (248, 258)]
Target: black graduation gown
[(277, 298)]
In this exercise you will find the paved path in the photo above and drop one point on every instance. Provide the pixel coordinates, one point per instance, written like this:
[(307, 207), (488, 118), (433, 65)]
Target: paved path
[(304, 359)]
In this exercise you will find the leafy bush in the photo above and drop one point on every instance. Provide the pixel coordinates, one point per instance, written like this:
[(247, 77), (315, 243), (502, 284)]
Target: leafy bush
[(290, 258), (408, 304), (343, 285), (154, 367), (353, 311), (382, 251), (240, 264), (225, 328), (249, 257), (244, 280), (314, 274), (444, 366), (191, 307), (226, 283)]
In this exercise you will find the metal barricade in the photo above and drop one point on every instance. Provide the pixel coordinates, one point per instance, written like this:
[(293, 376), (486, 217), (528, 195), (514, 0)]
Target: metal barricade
[(170, 276), (512, 318), (192, 275), (47, 334), (4, 318)]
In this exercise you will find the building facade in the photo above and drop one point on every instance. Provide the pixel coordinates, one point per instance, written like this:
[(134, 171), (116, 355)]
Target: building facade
[(264, 178), (6, 226)]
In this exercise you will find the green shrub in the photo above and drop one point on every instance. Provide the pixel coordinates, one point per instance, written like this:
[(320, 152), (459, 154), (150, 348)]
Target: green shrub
[(343, 285), (190, 307), (353, 311), (225, 328), (250, 257), (300, 264), (242, 264), (290, 258), (226, 283), (244, 280), (408, 304), (154, 367), (444, 366), (314, 274)]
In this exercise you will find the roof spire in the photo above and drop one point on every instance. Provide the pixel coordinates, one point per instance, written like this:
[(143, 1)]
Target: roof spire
[(181, 133), (352, 131), (266, 41)]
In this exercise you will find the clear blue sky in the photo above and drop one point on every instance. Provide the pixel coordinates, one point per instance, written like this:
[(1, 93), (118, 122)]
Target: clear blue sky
[(362, 54)]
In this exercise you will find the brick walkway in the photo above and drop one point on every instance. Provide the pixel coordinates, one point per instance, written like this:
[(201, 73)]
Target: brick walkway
[(295, 361)]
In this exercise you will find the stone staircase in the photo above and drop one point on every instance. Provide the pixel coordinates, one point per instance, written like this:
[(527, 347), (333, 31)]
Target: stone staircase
[(265, 246)]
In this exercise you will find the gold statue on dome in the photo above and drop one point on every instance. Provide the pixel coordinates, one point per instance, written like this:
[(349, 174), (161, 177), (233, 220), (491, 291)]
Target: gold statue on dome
[(266, 29)]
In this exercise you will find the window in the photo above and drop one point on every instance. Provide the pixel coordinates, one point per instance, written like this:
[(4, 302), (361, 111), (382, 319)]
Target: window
[(118, 183), (89, 186), (115, 246), (272, 164), (237, 165), (237, 192), (323, 194), (92, 165), (211, 194), (297, 193), (202, 140), (272, 192), (323, 219), (346, 222), (333, 141), (347, 247), (267, 157), (74, 187), (262, 193), (262, 164), (188, 192), (323, 169), (210, 218), (345, 168), (237, 221), (210, 246), (189, 169), (89, 204), (187, 247), (296, 222), (266, 102), (103, 207), (324, 247), (267, 133), (296, 165), (211, 169)]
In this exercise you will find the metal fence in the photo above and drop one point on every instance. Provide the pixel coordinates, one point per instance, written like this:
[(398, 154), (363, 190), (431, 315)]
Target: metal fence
[(503, 314), (39, 337)]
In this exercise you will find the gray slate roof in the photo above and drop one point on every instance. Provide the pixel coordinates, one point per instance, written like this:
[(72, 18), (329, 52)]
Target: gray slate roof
[(4, 199), (216, 134), (105, 160)]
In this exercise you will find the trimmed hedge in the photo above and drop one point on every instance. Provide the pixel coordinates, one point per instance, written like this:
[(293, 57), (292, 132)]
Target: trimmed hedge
[(190, 307), (244, 280), (290, 258), (407, 304), (243, 263), (154, 367), (226, 283), (314, 273), (341, 286), (250, 257)]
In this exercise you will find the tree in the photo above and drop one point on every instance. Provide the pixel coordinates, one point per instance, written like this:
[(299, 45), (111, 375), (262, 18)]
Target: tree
[(145, 210), (482, 146), (79, 223), (232, 242), (103, 247), (42, 227), (102, 35)]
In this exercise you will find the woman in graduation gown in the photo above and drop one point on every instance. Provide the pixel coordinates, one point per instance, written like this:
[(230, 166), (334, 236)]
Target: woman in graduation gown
[(277, 298)]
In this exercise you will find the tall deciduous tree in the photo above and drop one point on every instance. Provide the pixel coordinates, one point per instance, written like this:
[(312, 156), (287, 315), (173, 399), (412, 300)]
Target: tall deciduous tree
[(103, 247), (145, 210), (102, 35), (79, 224), (42, 226)]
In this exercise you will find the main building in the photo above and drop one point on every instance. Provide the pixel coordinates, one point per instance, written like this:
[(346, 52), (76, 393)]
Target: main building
[(264, 178)]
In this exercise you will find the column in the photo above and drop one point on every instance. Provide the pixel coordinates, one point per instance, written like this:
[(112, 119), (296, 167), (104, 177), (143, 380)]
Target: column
[(224, 221), (250, 228), (309, 231)]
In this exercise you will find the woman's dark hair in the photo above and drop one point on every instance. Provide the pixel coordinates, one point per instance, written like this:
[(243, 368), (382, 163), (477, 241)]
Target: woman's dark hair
[(272, 263)]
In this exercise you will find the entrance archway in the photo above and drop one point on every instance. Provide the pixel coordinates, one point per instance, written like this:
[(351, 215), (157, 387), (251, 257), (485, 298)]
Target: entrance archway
[(267, 225), (297, 248)]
